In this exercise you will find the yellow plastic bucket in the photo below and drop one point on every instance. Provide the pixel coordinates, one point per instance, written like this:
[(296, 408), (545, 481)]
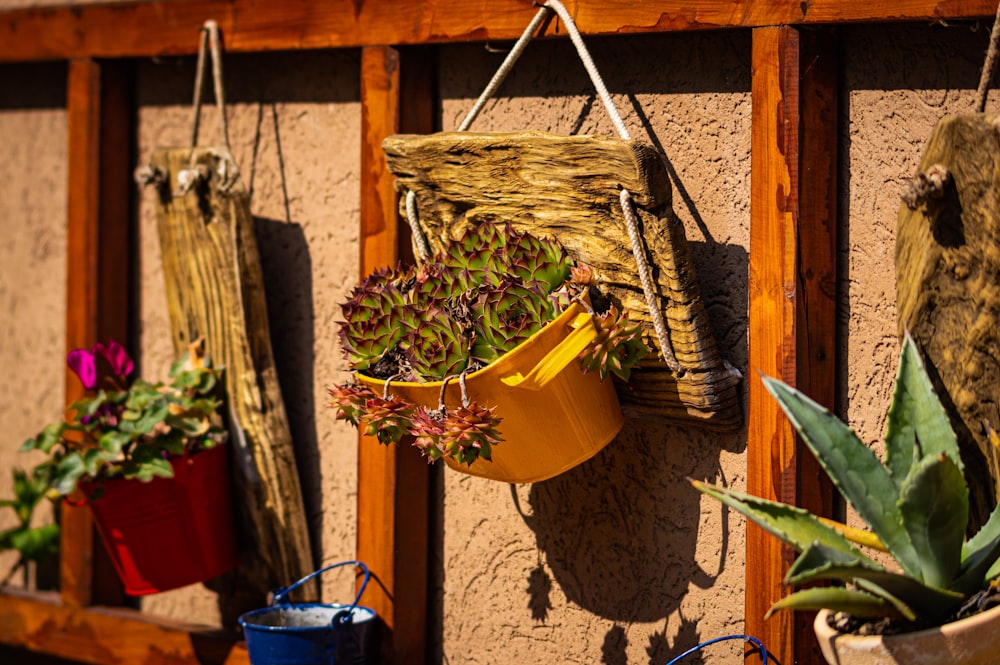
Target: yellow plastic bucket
[(554, 416)]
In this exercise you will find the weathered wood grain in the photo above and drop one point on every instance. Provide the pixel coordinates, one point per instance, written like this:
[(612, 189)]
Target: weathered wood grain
[(568, 187), (948, 287), (215, 291)]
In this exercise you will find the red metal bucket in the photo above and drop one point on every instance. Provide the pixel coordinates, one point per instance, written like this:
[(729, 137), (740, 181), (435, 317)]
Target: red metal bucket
[(169, 532)]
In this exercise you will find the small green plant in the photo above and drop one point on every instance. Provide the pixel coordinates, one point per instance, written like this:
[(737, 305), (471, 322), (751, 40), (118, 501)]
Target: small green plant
[(129, 430), (32, 543), (916, 505), (482, 296)]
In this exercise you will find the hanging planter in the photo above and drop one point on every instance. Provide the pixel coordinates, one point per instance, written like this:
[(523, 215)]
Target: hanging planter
[(311, 633), (169, 532), (490, 356), (608, 201), (150, 461)]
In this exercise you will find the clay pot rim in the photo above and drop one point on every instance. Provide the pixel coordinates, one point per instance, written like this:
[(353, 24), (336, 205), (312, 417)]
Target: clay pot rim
[(823, 629)]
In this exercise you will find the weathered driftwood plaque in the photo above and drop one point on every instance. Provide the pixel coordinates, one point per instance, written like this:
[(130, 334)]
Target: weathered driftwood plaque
[(215, 291), (948, 283), (569, 187)]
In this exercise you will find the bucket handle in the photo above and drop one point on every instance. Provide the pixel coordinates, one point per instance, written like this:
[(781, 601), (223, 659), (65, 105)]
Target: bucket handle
[(279, 597), (556, 360)]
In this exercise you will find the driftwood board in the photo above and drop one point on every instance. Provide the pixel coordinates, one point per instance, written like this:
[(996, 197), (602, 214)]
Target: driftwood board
[(215, 291), (948, 284), (568, 187)]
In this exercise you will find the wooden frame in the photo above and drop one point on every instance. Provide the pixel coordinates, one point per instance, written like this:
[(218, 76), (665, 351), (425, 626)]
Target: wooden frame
[(792, 251)]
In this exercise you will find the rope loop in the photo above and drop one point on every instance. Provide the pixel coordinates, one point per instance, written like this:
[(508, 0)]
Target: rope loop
[(210, 41)]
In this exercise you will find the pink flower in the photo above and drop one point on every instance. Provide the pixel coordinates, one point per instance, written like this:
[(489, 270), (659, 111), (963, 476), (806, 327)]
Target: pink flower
[(111, 356)]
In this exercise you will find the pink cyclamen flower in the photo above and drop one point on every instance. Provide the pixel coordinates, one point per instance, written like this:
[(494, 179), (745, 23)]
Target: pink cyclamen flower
[(81, 361), (84, 363)]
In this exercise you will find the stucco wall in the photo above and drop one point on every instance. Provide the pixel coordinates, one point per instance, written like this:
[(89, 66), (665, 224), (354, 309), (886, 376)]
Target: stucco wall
[(617, 561), (32, 264)]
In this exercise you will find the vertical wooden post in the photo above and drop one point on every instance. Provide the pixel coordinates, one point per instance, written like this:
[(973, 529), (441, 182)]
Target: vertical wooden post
[(99, 129), (792, 300), (393, 489)]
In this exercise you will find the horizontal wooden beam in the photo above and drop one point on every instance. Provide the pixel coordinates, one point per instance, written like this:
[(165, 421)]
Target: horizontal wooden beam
[(169, 27), (109, 636)]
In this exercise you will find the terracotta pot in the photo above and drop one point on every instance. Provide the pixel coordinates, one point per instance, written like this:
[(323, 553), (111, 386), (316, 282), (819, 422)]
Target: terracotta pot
[(169, 532), (974, 640), (554, 416)]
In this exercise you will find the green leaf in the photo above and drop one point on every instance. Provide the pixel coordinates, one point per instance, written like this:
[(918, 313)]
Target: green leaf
[(37, 544), (157, 466), (909, 597), (50, 436), (793, 525), (934, 503), (916, 416), (67, 473), (837, 599), (113, 441), (155, 414), (986, 535), (979, 568), (853, 468)]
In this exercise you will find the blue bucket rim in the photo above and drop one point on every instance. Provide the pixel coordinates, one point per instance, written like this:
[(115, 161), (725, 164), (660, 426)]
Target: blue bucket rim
[(242, 621)]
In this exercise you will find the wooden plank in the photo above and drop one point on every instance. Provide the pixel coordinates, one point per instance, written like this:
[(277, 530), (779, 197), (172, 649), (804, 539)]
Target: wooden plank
[(164, 27), (393, 483), (792, 295), (97, 289), (816, 302), (109, 636)]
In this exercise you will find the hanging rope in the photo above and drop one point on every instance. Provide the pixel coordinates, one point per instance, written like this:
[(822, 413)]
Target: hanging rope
[(989, 65), (209, 41)]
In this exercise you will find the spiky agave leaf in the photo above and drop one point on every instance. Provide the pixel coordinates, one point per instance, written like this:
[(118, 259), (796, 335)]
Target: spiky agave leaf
[(435, 345), (617, 348), (469, 433), (508, 315), (387, 419), (372, 322), (348, 400)]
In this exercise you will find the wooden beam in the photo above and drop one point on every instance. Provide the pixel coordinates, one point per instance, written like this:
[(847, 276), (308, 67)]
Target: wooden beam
[(792, 296), (393, 482), (109, 636), (131, 29), (99, 128)]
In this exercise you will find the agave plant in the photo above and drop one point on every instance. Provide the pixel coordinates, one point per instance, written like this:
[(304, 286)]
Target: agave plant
[(916, 504), (486, 293)]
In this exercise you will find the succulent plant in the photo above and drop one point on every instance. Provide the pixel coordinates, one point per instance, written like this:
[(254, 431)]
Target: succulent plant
[(487, 292), (916, 505)]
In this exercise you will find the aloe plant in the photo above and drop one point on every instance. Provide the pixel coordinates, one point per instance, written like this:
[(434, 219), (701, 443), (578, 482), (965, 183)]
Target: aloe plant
[(916, 505), (488, 291)]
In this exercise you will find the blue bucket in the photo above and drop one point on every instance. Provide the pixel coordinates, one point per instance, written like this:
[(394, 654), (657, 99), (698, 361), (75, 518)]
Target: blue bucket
[(310, 633)]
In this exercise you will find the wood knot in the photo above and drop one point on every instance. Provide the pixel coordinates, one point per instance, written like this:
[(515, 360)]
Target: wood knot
[(188, 179), (926, 186)]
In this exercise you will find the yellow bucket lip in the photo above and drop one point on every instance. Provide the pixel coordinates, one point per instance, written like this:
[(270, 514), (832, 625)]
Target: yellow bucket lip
[(510, 358)]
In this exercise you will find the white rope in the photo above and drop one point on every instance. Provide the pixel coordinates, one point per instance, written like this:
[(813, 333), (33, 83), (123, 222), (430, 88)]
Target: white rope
[(423, 249), (652, 301), (209, 41), (505, 67)]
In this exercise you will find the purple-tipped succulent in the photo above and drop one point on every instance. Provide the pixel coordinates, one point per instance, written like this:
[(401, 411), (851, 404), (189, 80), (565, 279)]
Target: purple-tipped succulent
[(371, 325), (487, 292), (435, 345), (617, 348), (508, 315)]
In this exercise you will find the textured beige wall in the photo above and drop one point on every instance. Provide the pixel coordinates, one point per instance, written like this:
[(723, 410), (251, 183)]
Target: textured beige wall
[(32, 262), (619, 560)]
